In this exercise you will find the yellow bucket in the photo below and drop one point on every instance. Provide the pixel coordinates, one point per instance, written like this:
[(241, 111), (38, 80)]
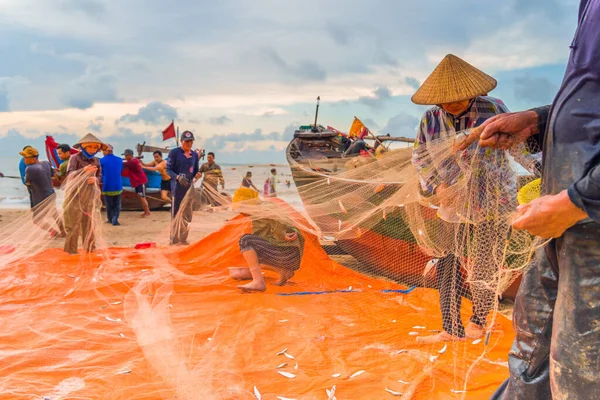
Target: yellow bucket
[(529, 192)]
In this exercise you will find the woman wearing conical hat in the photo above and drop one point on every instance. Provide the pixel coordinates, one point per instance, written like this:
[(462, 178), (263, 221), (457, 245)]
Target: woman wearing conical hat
[(82, 196), (458, 92)]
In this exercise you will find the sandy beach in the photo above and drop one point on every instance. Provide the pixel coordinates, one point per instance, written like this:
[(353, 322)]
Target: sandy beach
[(133, 229)]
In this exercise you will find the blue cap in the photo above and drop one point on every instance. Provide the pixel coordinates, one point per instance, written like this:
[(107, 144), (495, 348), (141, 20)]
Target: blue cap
[(187, 135)]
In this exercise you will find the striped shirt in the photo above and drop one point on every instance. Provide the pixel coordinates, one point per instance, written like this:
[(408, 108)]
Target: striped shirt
[(436, 164)]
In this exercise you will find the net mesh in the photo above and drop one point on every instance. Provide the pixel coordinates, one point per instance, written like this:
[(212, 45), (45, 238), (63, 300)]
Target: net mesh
[(359, 283)]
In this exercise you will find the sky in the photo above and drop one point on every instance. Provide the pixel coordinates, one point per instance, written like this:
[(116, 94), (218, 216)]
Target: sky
[(244, 74)]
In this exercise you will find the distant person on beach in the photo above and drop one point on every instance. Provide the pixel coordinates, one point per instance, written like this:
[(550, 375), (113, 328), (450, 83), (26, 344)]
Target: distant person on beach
[(38, 177), (183, 168), (247, 181), (270, 185), (64, 153), (112, 184), (160, 165), (82, 195), (132, 168), (213, 176), (22, 167), (456, 89)]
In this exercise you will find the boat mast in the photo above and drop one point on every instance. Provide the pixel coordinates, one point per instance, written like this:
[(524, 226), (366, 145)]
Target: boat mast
[(316, 129)]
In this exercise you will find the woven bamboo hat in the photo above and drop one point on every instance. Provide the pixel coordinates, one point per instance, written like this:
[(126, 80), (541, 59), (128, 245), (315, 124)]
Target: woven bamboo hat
[(453, 80), (89, 138)]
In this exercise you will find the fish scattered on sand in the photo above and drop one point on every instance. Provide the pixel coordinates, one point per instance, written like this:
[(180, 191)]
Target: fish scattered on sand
[(354, 375), (257, 394), (282, 352), (287, 374), (443, 350), (392, 392)]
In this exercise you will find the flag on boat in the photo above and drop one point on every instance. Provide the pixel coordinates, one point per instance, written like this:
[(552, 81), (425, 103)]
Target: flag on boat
[(169, 132), (51, 152), (358, 129), (331, 128)]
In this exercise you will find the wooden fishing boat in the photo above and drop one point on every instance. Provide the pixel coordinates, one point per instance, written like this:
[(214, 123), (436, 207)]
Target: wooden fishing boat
[(384, 245)]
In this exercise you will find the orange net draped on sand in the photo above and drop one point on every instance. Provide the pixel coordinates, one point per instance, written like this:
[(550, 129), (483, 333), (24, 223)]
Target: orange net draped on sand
[(169, 322)]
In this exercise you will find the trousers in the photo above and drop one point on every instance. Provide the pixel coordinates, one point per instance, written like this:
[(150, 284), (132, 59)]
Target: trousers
[(557, 322)]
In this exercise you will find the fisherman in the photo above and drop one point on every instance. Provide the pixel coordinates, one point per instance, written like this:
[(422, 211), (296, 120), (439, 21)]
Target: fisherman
[(112, 184), (276, 245), (133, 169), (270, 186), (182, 167), (82, 195), (358, 145), (213, 176), (38, 178), (555, 353), (247, 181), (22, 168), (160, 165), (64, 153), (456, 89)]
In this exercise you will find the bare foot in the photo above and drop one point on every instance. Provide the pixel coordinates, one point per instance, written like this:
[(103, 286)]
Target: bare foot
[(474, 331), (144, 215), (284, 277), (439, 337), (253, 287)]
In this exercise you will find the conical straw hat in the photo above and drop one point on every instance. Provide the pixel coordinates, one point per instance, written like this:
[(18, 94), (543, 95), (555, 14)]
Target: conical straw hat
[(89, 138), (453, 80)]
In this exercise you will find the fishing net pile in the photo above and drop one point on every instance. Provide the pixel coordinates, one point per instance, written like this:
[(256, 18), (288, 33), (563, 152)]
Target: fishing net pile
[(169, 322)]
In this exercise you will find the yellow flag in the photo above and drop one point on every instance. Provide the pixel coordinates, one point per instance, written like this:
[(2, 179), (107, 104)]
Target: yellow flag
[(356, 128)]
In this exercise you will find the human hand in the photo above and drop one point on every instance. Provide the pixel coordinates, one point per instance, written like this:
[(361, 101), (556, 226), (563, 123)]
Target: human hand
[(443, 194), (290, 237), (89, 169), (548, 216), (502, 131), (91, 180)]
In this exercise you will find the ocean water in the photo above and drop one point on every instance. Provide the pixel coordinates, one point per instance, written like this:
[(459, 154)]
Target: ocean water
[(13, 193)]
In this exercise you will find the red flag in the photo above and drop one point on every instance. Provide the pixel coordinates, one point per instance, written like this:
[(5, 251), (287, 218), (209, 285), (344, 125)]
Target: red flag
[(169, 133)]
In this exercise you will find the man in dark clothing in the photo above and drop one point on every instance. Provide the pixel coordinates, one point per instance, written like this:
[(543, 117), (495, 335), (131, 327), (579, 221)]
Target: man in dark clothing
[(555, 353), (213, 176), (112, 185), (182, 167), (38, 178)]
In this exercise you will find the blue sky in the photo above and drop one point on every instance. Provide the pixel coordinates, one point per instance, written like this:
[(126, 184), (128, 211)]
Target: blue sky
[(242, 74)]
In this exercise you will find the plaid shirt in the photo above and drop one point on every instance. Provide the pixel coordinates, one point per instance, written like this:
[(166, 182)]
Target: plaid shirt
[(436, 165)]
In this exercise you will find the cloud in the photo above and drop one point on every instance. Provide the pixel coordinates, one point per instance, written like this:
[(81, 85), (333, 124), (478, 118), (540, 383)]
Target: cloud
[(537, 89), (218, 142), (383, 57), (96, 125), (154, 113), (268, 114), (369, 123), (4, 103), (302, 70), (91, 8), (222, 120), (339, 35), (402, 124), (95, 85), (380, 94), (412, 82)]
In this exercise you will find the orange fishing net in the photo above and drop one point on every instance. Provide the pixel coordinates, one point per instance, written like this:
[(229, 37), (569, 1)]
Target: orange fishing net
[(169, 322)]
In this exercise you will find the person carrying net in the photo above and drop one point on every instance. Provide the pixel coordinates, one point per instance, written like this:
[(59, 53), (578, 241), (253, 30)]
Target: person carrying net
[(82, 195), (469, 186)]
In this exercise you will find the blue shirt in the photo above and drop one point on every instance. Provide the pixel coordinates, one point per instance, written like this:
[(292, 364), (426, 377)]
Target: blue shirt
[(112, 169), (22, 168), (572, 128), (178, 163)]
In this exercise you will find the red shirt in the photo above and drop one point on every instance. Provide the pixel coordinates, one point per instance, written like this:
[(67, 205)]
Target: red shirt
[(135, 172)]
